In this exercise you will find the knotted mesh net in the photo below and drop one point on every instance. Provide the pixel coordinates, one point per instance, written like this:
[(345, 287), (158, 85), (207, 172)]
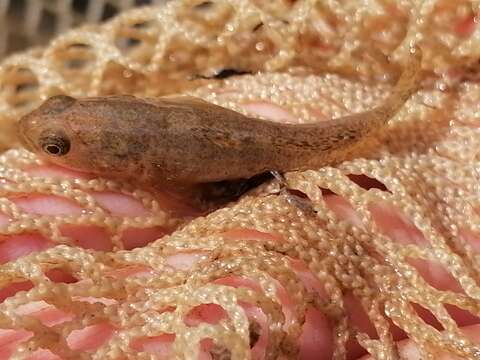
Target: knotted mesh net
[(263, 266)]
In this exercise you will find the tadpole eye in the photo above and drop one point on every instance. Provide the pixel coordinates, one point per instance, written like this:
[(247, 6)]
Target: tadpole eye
[(55, 145)]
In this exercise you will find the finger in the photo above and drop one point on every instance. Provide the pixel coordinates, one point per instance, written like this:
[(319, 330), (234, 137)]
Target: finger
[(97, 238), (395, 225), (317, 331), (400, 229), (317, 335), (93, 237)]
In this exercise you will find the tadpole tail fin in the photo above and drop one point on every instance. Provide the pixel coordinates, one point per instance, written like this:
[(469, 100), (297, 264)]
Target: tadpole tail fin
[(408, 84)]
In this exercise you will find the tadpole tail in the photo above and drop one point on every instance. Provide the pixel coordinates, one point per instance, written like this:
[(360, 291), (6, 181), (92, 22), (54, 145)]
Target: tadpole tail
[(311, 146), (408, 83)]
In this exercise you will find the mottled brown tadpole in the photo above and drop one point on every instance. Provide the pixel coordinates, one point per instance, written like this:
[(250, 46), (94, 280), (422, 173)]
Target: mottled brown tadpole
[(188, 143)]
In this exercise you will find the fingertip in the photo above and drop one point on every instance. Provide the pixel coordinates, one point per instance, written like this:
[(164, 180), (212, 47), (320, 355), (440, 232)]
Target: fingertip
[(15, 246), (317, 336)]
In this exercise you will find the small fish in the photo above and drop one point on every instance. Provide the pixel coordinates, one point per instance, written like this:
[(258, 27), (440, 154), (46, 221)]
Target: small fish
[(185, 142)]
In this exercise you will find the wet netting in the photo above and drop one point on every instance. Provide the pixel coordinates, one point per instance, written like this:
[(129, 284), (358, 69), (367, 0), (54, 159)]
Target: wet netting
[(263, 267)]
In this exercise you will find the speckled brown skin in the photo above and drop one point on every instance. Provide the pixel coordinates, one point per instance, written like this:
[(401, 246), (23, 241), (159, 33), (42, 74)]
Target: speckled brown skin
[(184, 141)]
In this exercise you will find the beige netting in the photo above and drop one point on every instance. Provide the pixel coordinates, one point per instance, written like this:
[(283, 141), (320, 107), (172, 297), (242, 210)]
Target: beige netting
[(427, 160), (26, 23)]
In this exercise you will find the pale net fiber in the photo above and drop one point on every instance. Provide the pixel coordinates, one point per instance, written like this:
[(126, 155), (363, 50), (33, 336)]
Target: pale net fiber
[(32, 22), (427, 161)]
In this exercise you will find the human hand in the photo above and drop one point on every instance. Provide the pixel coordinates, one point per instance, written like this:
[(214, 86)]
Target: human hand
[(317, 337)]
